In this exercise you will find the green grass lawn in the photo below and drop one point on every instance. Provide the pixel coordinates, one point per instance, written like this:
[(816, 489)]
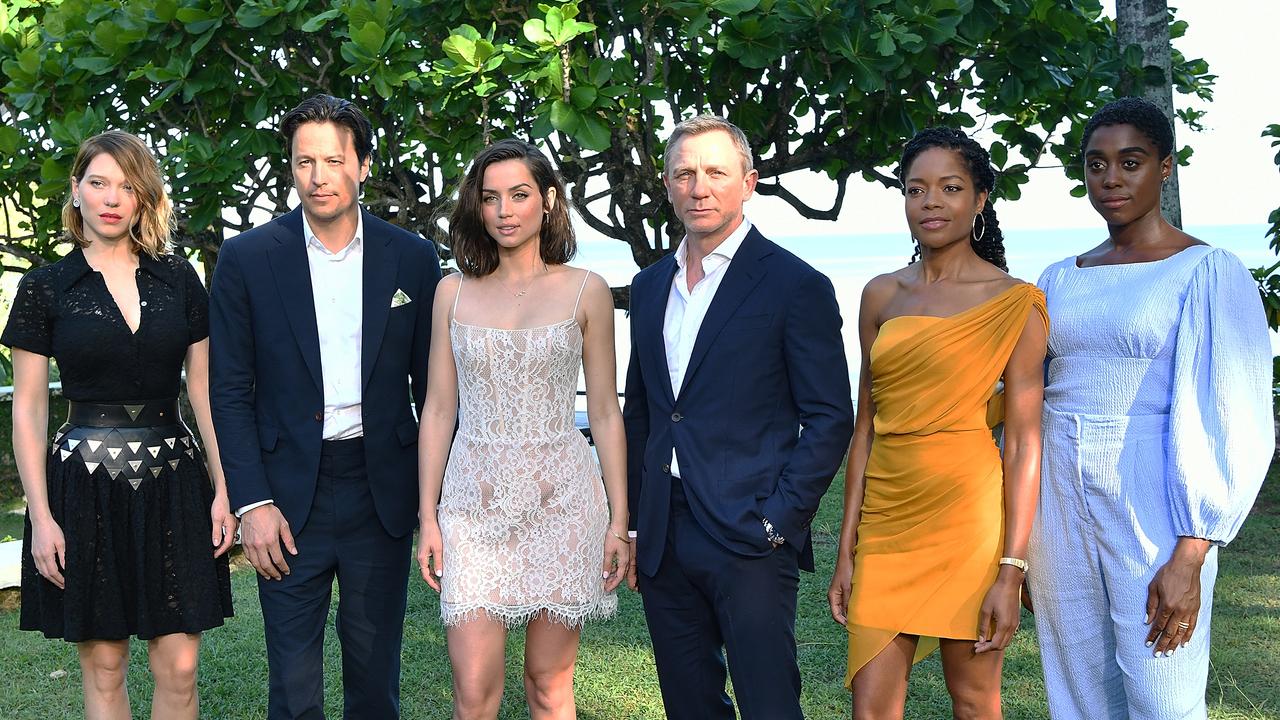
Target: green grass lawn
[(615, 677)]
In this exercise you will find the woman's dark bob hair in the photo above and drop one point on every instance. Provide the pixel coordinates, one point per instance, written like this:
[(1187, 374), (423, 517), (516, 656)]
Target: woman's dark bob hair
[(475, 251)]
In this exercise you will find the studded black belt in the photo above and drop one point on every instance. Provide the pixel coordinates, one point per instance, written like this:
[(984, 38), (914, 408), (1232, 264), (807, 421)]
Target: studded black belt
[(138, 443), (149, 414)]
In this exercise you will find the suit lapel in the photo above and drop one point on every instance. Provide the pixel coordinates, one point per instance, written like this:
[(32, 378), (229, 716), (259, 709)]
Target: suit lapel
[(654, 341), (742, 275), (289, 265), (379, 284)]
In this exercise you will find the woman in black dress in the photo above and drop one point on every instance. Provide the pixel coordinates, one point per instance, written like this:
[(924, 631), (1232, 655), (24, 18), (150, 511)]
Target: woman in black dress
[(125, 534)]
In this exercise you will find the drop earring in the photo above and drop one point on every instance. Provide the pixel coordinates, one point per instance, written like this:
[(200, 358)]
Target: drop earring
[(75, 201)]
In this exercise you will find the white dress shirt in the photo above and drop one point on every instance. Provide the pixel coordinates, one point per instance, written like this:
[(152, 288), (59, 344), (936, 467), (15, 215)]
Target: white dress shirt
[(687, 308), (337, 284)]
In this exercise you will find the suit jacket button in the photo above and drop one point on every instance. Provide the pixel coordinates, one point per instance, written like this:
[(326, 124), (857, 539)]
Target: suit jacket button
[(319, 416), (676, 417), (666, 469)]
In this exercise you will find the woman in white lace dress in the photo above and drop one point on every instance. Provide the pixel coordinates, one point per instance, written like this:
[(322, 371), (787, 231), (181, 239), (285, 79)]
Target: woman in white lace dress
[(517, 527)]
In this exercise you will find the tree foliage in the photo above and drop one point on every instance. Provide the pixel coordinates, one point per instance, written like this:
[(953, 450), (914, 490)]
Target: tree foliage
[(834, 86), (1268, 277)]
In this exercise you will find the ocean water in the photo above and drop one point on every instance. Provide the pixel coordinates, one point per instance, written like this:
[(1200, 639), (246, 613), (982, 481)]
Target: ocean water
[(850, 261)]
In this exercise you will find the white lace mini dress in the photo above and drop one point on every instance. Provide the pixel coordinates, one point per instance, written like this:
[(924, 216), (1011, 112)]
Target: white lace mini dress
[(522, 512)]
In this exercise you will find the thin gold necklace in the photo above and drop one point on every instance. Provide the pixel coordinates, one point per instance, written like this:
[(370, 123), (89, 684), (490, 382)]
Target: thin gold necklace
[(527, 286)]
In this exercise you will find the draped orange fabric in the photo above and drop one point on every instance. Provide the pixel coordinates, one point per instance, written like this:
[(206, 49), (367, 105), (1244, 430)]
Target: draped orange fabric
[(932, 525)]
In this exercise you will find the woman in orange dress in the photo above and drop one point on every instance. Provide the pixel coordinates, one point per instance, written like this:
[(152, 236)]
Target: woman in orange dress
[(933, 543)]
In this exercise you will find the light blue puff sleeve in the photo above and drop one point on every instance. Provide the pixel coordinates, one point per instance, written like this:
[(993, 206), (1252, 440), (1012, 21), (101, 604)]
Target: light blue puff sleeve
[(1221, 427)]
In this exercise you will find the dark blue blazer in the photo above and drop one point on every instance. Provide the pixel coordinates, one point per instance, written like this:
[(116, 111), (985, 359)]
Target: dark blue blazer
[(265, 382), (764, 416)]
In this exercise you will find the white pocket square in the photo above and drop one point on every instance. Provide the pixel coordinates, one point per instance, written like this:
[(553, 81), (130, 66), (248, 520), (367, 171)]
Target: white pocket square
[(400, 298)]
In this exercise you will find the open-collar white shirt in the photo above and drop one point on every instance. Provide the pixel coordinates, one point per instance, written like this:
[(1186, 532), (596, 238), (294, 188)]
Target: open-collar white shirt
[(337, 281), (687, 308)]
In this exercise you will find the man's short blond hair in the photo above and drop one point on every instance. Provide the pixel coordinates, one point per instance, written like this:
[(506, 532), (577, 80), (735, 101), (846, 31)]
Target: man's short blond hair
[(699, 124)]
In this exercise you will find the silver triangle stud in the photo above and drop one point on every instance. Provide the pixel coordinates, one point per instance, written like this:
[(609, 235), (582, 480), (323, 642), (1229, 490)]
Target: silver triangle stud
[(94, 445), (155, 471), (65, 454), (154, 450), (186, 441), (114, 452), (72, 443), (191, 454), (114, 473), (134, 411), (135, 464), (173, 464), (91, 466), (133, 447), (170, 442), (135, 483)]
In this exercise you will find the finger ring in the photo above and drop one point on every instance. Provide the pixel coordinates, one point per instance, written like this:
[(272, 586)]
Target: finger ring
[(1184, 625)]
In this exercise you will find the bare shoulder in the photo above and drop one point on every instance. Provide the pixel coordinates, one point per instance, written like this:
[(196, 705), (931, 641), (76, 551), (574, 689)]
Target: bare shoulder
[(449, 283), (447, 289), (879, 292)]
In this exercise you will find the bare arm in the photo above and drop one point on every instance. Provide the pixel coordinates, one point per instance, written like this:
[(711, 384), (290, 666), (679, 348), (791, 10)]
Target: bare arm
[(874, 297), (1024, 397), (435, 434), (224, 522), (30, 448), (600, 367)]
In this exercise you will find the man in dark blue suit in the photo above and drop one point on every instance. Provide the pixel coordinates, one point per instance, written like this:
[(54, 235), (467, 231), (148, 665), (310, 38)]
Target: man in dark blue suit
[(320, 322), (738, 413)]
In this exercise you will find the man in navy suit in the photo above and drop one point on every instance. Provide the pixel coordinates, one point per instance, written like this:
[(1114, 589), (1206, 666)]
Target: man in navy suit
[(738, 413), (320, 322)]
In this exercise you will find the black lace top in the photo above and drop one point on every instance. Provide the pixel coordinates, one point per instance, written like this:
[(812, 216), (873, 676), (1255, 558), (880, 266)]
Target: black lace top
[(65, 311)]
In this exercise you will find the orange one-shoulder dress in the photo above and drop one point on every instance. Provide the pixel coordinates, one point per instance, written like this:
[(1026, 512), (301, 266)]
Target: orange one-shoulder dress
[(931, 531)]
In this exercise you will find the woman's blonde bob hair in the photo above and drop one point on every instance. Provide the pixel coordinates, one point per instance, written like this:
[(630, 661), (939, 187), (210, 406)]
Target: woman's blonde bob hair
[(153, 229)]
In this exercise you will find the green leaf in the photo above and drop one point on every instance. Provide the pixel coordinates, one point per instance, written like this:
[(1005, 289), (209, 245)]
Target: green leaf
[(583, 96), (95, 64), (252, 15), (564, 117), (1079, 191), (320, 20), (572, 29), (371, 36), (999, 154), (10, 138), (52, 171), (885, 45), (593, 134), (734, 7), (600, 71), (461, 50), (535, 31), (554, 21)]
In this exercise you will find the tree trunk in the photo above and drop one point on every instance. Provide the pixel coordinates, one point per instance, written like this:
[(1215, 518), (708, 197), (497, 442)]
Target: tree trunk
[(1145, 23)]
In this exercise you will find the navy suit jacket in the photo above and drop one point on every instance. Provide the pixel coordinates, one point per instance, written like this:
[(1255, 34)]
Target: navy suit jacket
[(266, 388), (764, 415)]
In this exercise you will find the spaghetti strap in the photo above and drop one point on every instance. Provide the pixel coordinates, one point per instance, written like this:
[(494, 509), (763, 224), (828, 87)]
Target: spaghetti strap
[(454, 313), (586, 275)]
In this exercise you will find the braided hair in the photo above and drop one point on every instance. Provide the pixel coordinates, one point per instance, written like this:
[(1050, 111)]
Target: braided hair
[(990, 246)]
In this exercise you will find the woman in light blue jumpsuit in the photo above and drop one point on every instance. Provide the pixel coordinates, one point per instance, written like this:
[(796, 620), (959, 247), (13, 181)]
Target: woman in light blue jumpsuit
[(1158, 431)]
